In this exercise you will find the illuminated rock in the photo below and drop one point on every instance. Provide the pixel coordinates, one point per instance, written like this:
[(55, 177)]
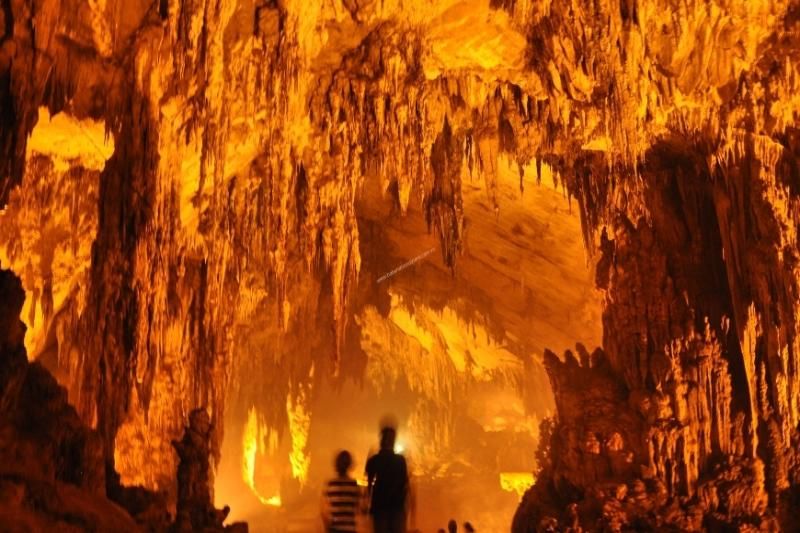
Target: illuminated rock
[(684, 377), (253, 142)]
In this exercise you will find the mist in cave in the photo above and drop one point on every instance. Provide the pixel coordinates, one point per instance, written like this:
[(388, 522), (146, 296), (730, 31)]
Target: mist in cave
[(556, 240), (430, 348)]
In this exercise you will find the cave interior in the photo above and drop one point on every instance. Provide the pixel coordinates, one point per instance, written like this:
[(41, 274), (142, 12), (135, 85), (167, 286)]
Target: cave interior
[(556, 240)]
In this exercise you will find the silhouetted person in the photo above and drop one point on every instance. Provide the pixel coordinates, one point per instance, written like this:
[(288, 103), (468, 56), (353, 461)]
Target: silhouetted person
[(341, 498), (387, 476), (468, 528), (452, 526)]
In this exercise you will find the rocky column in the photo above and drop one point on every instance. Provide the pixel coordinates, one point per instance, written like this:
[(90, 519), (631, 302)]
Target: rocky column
[(195, 509)]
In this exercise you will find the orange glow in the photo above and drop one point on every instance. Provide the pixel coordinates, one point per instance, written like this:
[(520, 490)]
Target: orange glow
[(299, 424), (51, 250), (250, 442), (517, 482)]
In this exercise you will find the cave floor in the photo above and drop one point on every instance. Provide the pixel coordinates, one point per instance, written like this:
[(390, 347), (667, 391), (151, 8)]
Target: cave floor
[(478, 500)]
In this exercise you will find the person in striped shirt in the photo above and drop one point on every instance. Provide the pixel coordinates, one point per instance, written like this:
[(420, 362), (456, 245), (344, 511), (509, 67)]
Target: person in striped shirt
[(341, 498)]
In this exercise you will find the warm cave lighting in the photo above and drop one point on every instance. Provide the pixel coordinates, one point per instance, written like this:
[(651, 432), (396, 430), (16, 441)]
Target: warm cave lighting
[(517, 482), (555, 242), (249, 453)]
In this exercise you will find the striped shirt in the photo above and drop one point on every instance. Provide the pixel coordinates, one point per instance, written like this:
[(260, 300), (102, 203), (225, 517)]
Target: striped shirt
[(342, 496)]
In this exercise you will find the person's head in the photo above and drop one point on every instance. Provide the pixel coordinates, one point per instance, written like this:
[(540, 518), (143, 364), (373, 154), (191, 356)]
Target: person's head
[(388, 437), (452, 526), (388, 432), (468, 527), (343, 462)]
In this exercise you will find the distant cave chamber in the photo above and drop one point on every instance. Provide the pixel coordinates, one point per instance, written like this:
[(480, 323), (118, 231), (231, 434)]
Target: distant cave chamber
[(301, 217)]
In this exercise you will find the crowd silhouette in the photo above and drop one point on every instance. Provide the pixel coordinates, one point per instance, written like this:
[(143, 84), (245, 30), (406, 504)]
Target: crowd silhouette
[(452, 527), (386, 498)]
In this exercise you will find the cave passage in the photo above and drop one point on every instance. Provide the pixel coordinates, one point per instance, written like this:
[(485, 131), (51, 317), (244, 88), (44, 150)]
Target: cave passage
[(456, 358), (557, 240)]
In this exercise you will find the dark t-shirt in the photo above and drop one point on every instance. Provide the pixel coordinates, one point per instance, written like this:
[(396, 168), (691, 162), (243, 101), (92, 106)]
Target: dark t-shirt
[(390, 475)]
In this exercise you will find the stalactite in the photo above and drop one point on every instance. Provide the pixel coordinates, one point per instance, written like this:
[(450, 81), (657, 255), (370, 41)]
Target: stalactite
[(701, 253), (443, 206), (245, 132)]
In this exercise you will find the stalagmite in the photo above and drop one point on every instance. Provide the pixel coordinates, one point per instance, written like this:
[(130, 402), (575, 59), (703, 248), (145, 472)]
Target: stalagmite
[(195, 511), (208, 203)]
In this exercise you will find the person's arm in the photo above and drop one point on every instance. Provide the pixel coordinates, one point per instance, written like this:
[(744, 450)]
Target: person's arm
[(360, 499), (370, 471)]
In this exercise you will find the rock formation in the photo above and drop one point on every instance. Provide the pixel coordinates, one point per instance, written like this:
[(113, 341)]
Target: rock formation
[(687, 419), (254, 140), (53, 474), (195, 510)]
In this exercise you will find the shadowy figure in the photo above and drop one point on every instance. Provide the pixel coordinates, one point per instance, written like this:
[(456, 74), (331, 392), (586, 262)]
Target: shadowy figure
[(341, 498), (452, 526), (387, 476), (468, 528), (195, 511)]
